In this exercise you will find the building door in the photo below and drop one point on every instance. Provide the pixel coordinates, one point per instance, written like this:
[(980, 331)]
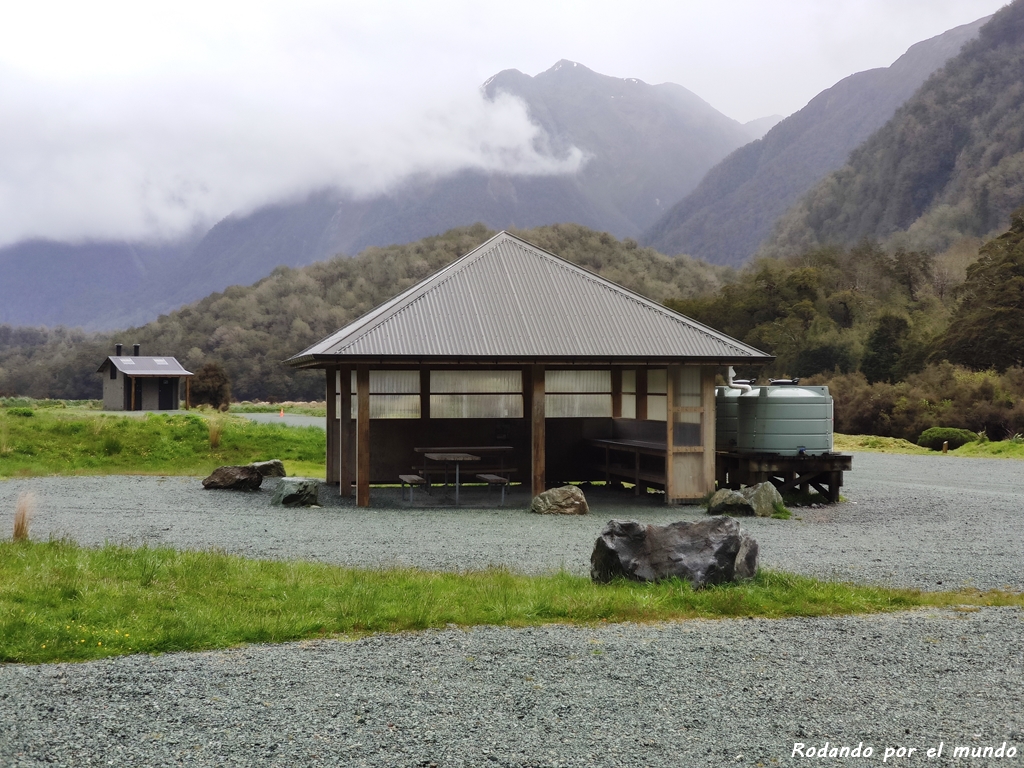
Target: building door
[(167, 389)]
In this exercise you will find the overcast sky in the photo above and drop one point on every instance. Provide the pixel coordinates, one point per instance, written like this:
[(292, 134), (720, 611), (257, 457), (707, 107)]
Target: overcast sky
[(141, 120)]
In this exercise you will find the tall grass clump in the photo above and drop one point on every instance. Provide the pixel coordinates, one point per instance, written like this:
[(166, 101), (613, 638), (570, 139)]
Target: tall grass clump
[(215, 426), (23, 510)]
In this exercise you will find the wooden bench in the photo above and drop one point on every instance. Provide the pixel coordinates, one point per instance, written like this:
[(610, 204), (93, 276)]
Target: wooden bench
[(411, 480), (429, 471), (492, 480), (636, 471)]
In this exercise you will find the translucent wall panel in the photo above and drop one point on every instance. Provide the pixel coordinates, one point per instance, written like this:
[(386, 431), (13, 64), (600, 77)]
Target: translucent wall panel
[(687, 385), (394, 406), (686, 430), (391, 382), (577, 406), (628, 406), (578, 381), (394, 382), (629, 381), (466, 406), (476, 381), (657, 407), (393, 395), (657, 381)]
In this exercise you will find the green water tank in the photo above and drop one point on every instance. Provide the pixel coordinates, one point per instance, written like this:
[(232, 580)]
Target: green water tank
[(785, 419), (727, 417)]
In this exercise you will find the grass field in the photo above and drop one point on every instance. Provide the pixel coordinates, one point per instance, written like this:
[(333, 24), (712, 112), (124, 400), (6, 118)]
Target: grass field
[(73, 441), (63, 602)]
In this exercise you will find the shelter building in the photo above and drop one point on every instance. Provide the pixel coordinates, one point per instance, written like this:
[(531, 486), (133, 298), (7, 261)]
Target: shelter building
[(513, 346), (137, 383)]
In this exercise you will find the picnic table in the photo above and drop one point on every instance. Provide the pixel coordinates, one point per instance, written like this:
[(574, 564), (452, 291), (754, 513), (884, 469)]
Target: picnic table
[(452, 457)]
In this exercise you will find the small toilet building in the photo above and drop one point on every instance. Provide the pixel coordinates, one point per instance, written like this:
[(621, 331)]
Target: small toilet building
[(137, 383)]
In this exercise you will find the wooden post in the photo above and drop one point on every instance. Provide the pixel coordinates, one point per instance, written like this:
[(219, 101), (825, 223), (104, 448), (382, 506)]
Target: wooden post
[(346, 462), (641, 394), (616, 393), (537, 429), (424, 395), (672, 481), (707, 401), (188, 392), (331, 392), (362, 436), (131, 383)]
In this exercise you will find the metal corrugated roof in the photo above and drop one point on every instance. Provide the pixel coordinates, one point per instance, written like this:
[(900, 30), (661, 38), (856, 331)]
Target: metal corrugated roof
[(145, 366), (510, 299)]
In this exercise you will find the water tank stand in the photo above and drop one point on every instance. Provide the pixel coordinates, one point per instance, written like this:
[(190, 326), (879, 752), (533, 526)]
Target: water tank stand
[(823, 472)]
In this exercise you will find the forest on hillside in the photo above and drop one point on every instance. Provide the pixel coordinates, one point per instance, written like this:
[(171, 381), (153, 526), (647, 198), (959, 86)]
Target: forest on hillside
[(250, 330), (906, 340)]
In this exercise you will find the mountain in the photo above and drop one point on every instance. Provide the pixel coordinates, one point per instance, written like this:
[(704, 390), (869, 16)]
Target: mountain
[(732, 210), (756, 129), (949, 164), (53, 283), (645, 146)]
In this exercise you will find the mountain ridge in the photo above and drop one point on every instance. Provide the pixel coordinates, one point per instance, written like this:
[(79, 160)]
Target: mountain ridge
[(948, 166), (732, 210)]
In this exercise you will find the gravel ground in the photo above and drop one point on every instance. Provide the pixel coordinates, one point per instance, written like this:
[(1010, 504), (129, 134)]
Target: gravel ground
[(682, 694)]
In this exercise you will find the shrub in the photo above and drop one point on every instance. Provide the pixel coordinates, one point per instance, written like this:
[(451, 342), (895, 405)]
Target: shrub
[(935, 436), (21, 412), (211, 386)]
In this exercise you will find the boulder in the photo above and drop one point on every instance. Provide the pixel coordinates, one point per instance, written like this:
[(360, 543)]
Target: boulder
[(763, 497), (710, 551), (759, 500), (234, 479), (296, 492), (567, 500), (272, 468), (729, 502)]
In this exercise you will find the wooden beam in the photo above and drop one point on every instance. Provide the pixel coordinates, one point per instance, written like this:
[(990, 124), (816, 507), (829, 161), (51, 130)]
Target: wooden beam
[(424, 394), (672, 480), (362, 436), (188, 392), (131, 383), (707, 401), (331, 393), (616, 393), (641, 394), (346, 454), (538, 440)]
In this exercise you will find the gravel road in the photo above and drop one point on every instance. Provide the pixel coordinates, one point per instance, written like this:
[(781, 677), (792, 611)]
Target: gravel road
[(682, 694)]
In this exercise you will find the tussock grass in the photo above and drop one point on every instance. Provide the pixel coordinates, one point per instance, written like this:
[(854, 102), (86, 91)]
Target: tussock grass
[(63, 602), (65, 442), (23, 510), (215, 428)]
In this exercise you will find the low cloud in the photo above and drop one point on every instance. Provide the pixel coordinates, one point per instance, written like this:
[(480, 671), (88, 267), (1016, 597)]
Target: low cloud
[(148, 162)]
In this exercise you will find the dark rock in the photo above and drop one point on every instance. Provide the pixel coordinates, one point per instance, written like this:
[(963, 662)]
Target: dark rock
[(759, 500), (711, 551), (730, 502), (234, 479), (296, 492), (567, 500), (272, 468)]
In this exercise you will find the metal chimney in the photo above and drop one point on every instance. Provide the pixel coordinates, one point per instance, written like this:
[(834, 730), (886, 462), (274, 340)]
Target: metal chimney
[(117, 350), (135, 351)]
